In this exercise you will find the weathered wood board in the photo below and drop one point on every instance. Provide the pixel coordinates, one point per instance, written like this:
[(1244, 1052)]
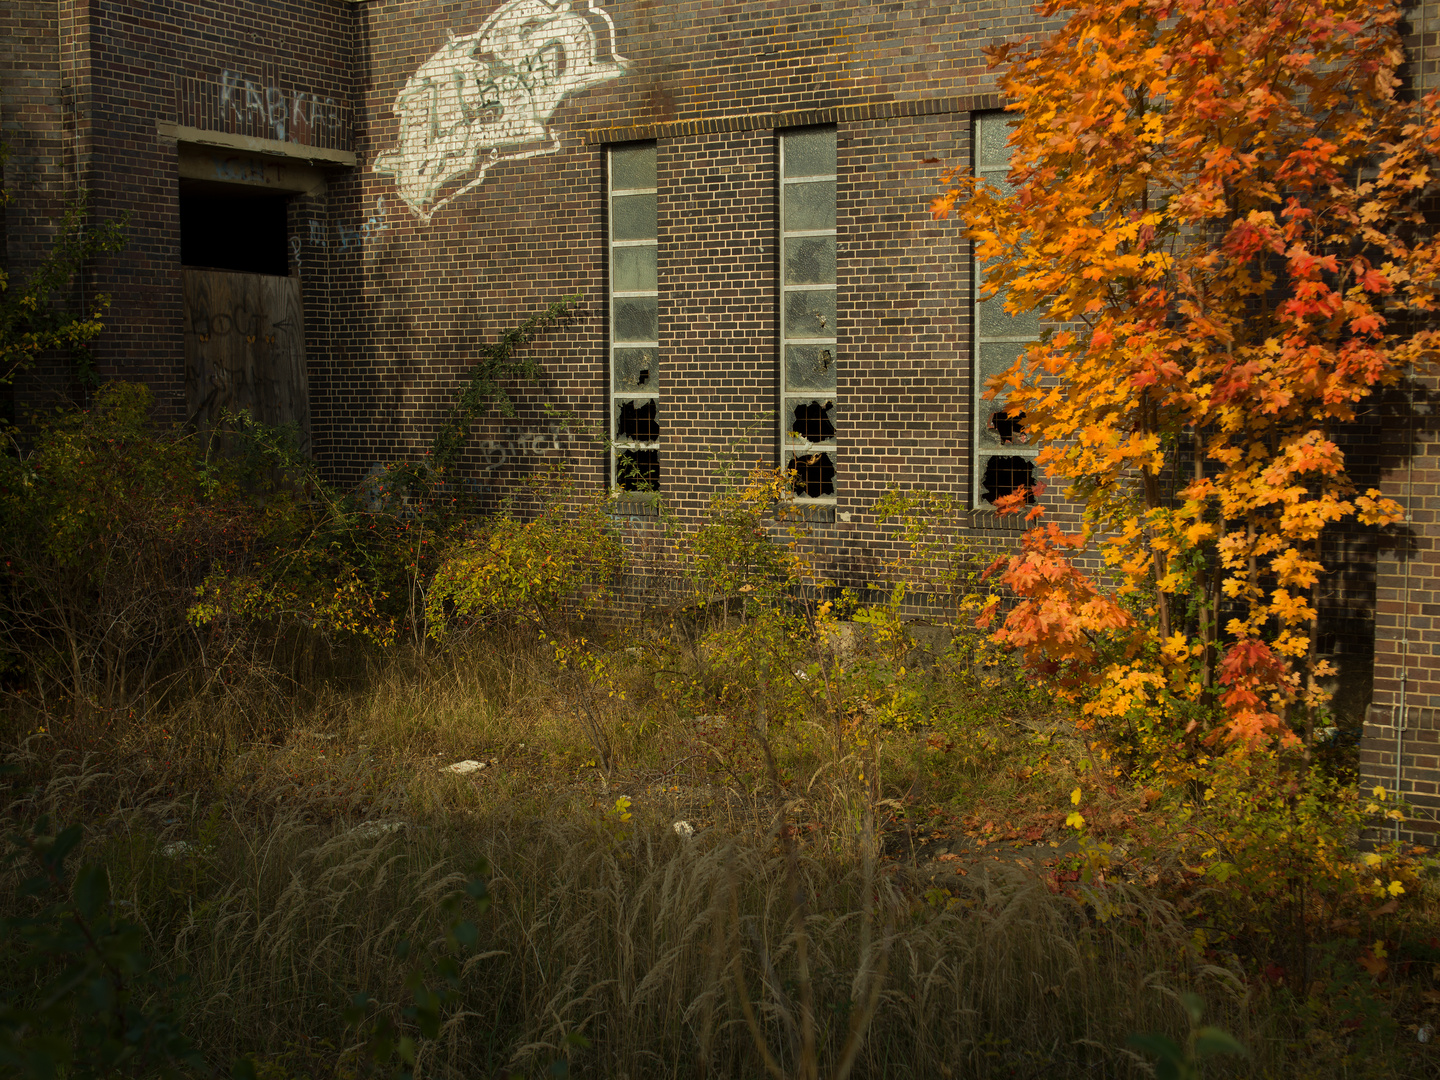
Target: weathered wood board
[(245, 349)]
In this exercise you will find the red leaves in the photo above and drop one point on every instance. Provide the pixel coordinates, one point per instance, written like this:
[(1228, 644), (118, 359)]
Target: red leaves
[(1061, 615), (1248, 670), (1211, 252)]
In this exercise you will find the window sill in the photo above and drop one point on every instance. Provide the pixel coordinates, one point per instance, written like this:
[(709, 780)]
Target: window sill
[(634, 504)]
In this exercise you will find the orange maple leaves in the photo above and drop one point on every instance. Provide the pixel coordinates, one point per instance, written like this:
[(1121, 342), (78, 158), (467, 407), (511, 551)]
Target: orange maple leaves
[(1217, 209)]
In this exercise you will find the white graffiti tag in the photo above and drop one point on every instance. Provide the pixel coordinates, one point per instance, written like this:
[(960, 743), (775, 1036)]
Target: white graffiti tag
[(488, 97)]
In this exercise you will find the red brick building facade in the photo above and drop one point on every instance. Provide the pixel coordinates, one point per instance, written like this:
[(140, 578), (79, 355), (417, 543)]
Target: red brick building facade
[(332, 203)]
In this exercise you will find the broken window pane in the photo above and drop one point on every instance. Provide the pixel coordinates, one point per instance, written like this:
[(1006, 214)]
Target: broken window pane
[(632, 217), (1006, 475), (634, 316), (810, 260), (637, 318), (814, 475), (810, 367), (810, 314), (634, 269), (638, 470), (1005, 430), (812, 421), (810, 207), (632, 167), (810, 153), (636, 369), (637, 421)]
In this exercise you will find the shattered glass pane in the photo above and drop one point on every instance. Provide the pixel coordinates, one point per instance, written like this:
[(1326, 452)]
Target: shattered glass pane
[(1002, 429), (810, 207), (814, 475), (634, 269), (632, 217), (1004, 475), (637, 421), (810, 314), (810, 367), (636, 369), (810, 260), (637, 318), (810, 153), (812, 421), (638, 470), (632, 167)]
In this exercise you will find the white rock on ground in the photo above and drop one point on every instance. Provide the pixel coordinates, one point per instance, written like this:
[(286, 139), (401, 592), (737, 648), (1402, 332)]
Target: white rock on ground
[(469, 765), (367, 829), (684, 829)]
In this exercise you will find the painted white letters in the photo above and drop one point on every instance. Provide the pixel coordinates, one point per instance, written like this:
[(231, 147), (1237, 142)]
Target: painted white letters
[(488, 97)]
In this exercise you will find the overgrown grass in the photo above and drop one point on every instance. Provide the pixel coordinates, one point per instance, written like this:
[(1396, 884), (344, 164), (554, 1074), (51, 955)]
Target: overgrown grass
[(309, 852), (775, 830)]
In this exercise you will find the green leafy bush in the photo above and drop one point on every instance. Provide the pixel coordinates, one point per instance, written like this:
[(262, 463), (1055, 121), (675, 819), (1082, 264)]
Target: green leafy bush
[(546, 569)]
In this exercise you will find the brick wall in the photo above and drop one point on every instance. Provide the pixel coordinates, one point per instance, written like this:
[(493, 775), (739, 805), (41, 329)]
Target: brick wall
[(85, 85), (711, 84), (397, 307)]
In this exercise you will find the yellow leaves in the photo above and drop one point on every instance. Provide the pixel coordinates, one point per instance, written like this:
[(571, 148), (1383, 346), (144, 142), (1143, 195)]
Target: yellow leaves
[(1395, 888), (1289, 608), (1075, 820), (1075, 797)]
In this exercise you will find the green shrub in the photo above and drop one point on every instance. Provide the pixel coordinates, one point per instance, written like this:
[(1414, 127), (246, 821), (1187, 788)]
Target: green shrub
[(547, 569)]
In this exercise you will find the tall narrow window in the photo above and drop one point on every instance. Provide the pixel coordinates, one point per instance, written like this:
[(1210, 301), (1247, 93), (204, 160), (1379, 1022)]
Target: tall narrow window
[(808, 413), (1003, 457), (634, 320)]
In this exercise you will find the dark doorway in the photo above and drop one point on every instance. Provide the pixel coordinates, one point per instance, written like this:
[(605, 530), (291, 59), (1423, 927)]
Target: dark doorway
[(225, 227)]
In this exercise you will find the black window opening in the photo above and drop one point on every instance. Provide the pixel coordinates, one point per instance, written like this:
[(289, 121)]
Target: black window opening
[(813, 421), (814, 475), (638, 421), (1007, 475), (242, 232), (1010, 430), (637, 470)]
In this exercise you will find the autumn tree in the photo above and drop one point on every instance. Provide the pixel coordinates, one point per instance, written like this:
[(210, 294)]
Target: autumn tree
[(1218, 208)]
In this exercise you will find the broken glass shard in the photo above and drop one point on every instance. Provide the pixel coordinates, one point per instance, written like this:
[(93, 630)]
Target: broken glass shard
[(810, 367), (636, 369), (810, 314)]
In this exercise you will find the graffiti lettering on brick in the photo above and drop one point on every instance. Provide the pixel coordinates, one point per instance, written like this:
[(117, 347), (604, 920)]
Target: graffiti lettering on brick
[(346, 237), (268, 112), (488, 97)]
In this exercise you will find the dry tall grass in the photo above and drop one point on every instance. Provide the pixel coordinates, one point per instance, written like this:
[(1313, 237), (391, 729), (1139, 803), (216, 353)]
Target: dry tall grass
[(283, 903)]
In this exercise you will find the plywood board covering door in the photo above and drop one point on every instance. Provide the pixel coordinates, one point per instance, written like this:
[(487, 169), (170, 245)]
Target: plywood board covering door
[(245, 349)]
